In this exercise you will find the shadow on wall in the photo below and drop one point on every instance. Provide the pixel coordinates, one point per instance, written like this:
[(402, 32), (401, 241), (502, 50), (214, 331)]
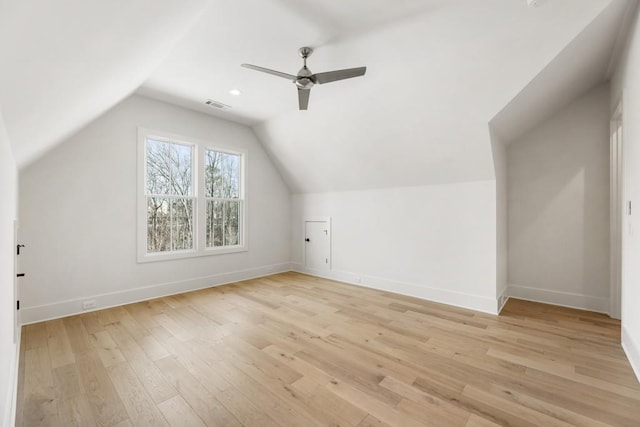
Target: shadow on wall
[(558, 201)]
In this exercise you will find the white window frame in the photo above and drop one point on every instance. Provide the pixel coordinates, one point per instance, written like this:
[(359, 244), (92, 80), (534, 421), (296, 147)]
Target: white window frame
[(199, 222)]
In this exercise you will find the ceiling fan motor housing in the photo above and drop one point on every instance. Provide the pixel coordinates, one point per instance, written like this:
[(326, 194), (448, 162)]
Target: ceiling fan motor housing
[(304, 79)]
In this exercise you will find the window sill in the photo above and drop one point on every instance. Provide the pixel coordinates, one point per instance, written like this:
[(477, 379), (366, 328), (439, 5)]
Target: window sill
[(190, 254)]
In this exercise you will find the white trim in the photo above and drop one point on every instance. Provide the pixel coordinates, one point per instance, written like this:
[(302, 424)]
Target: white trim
[(12, 386), (113, 299), (632, 350), (616, 210), (504, 297), (564, 299), (458, 299), (199, 200), (318, 219), (192, 254)]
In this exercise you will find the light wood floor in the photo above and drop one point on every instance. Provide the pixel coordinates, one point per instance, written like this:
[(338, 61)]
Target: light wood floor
[(292, 350)]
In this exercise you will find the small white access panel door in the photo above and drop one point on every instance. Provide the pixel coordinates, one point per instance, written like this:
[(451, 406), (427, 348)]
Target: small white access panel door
[(317, 244)]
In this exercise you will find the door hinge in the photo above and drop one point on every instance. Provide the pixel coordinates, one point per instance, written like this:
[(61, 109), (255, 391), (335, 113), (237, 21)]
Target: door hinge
[(326, 260), (18, 305), (18, 249)]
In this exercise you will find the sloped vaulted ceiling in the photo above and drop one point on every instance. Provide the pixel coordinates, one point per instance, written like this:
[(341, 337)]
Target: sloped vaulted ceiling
[(438, 72), (65, 62)]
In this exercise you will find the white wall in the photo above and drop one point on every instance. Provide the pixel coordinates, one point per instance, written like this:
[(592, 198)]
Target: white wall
[(558, 207), (436, 242), (8, 195), (78, 215), (626, 87)]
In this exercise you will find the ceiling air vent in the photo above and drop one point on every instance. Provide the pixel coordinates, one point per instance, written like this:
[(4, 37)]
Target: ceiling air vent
[(535, 3), (216, 104)]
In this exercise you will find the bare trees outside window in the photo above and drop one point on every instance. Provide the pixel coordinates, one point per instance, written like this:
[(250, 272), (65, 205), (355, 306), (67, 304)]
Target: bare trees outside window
[(169, 190), (222, 185)]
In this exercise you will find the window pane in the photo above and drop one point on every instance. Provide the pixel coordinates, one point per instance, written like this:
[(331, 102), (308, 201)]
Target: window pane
[(181, 171), (158, 167), (158, 225), (212, 172), (230, 181), (214, 224), (182, 224), (231, 221), (222, 175)]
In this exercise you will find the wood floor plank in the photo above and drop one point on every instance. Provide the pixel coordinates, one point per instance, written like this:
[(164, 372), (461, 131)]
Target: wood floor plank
[(208, 408), (147, 372), (107, 349), (179, 414), (76, 411), (371, 421), (34, 335), (280, 410), (105, 403), (77, 334), (41, 406), (295, 350), (58, 344), (326, 405), (476, 421), (140, 407), (67, 381)]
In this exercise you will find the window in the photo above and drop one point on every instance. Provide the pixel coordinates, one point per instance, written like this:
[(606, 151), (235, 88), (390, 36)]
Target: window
[(169, 194), (224, 206), (191, 198)]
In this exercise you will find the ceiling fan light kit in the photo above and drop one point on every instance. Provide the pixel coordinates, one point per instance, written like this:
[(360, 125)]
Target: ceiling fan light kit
[(305, 79)]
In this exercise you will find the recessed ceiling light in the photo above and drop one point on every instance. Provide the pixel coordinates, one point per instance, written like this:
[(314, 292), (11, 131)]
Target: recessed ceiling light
[(235, 92)]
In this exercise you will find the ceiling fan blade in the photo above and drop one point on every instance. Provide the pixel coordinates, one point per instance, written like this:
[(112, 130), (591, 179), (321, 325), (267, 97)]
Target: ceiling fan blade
[(272, 72), (303, 98), (332, 76)]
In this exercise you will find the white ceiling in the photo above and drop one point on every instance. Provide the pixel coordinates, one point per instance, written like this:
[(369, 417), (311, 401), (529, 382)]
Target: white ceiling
[(438, 72), (592, 52), (65, 62), (206, 63)]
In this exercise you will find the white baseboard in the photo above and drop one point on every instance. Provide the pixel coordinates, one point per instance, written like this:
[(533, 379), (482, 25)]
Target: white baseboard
[(74, 306), (458, 299), (583, 302), (632, 350), (12, 386)]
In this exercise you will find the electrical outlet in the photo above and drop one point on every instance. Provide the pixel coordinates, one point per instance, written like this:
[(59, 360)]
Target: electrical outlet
[(88, 305)]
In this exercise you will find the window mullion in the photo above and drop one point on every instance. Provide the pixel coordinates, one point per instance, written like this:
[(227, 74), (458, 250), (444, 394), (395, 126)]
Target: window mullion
[(201, 204), (224, 224)]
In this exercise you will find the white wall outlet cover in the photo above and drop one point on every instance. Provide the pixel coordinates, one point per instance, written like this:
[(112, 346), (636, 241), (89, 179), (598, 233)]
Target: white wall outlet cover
[(87, 305)]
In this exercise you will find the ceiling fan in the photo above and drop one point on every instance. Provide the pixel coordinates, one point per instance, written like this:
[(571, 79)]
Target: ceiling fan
[(306, 79)]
